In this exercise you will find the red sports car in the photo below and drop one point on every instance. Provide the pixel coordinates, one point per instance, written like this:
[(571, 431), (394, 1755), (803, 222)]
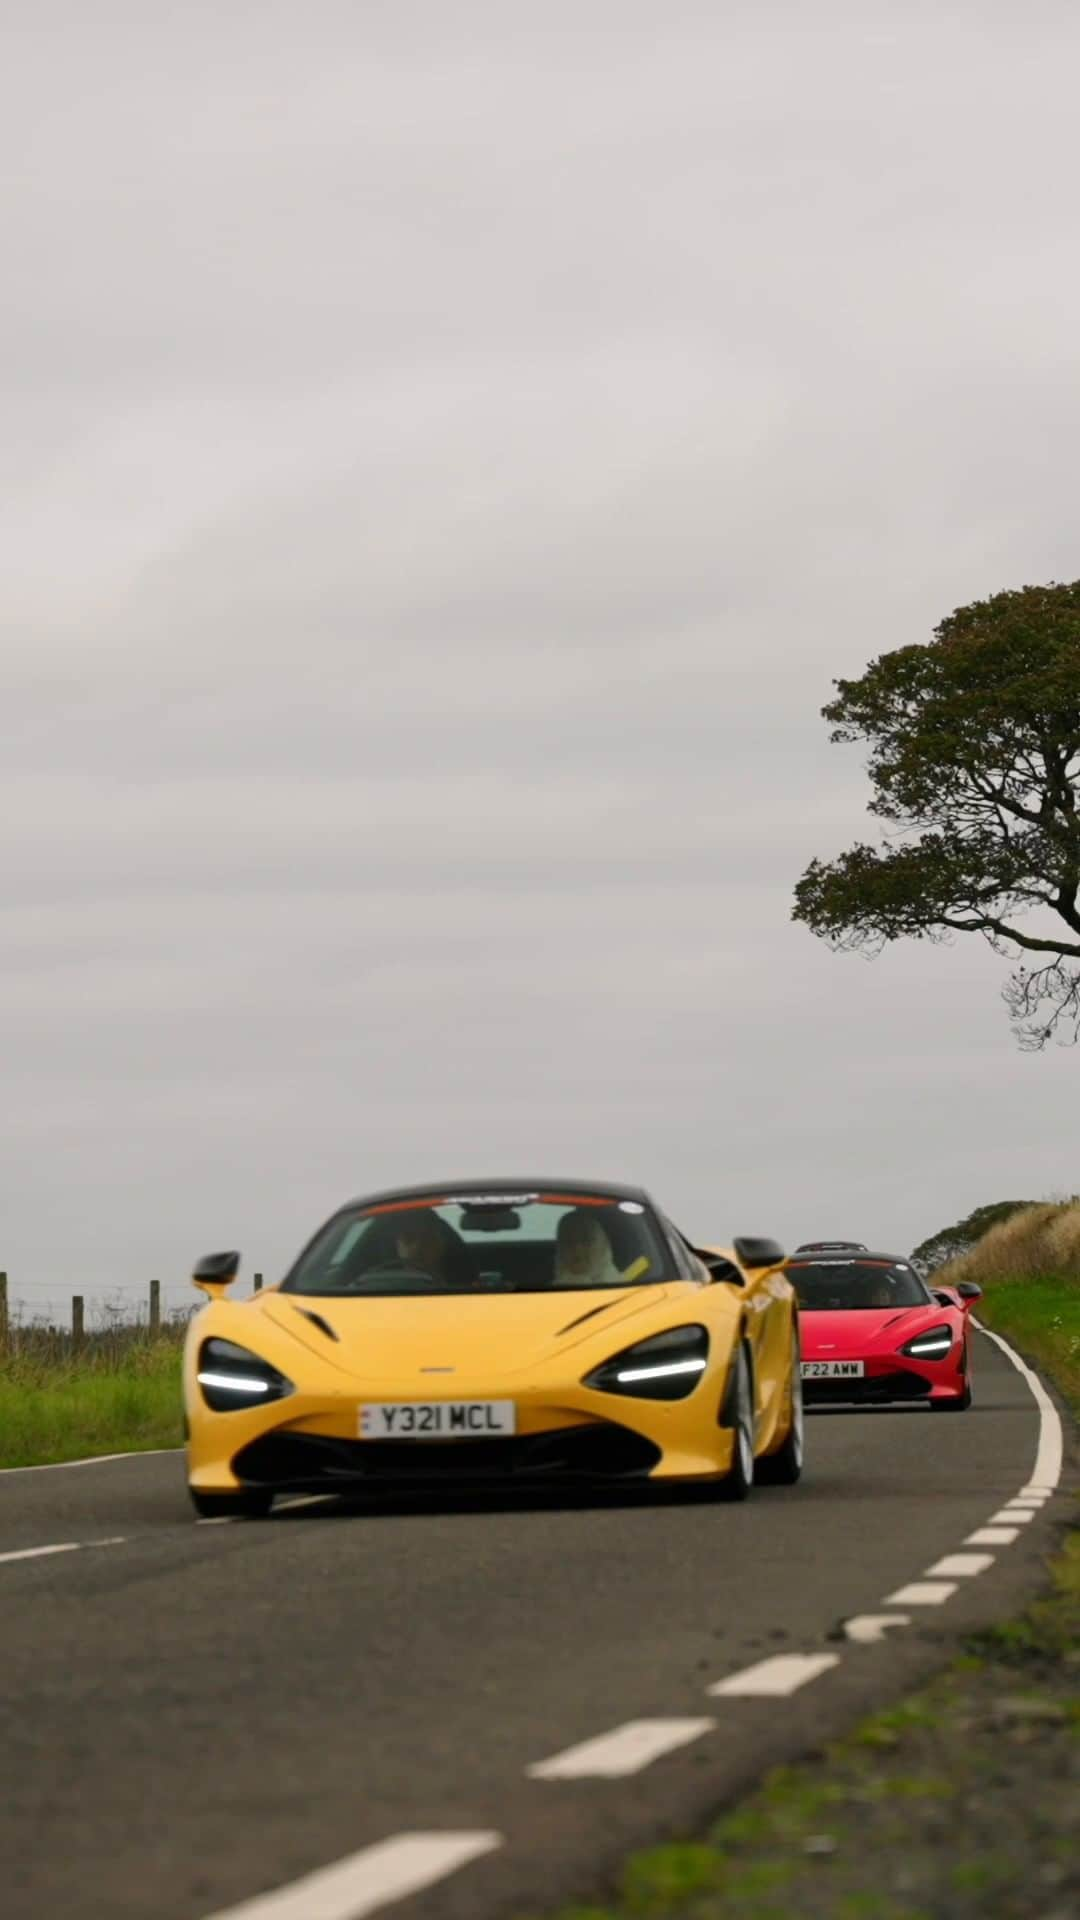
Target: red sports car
[(874, 1334)]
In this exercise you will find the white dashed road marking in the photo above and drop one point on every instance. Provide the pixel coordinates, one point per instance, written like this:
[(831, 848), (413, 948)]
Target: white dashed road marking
[(369, 1879), (611, 1756), (922, 1593), (406, 1864), (773, 1679), (37, 1553), (866, 1628), (960, 1566), (63, 1546)]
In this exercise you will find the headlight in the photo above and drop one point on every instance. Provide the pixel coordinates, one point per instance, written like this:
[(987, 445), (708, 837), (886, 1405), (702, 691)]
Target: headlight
[(934, 1344), (667, 1367), (231, 1377)]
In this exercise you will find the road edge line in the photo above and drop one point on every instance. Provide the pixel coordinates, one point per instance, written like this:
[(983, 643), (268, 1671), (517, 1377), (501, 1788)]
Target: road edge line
[(1050, 1452), (91, 1460)]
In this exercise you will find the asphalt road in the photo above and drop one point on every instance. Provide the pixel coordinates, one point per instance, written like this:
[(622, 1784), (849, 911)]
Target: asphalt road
[(194, 1715)]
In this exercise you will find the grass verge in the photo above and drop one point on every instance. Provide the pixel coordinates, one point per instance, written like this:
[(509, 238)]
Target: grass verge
[(961, 1802), (1041, 1317), (67, 1412), (1029, 1269)]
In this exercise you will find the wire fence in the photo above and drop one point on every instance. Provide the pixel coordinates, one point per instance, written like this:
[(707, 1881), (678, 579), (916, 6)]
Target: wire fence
[(101, 1331)]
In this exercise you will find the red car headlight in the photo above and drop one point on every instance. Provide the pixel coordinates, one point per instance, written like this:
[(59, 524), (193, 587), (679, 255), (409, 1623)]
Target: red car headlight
[(934, 1344)]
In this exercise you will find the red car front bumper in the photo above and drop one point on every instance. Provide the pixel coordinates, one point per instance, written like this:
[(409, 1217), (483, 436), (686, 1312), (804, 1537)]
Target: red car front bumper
[(886, 1380)]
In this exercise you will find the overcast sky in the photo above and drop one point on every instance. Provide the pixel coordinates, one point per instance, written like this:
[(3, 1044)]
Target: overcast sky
[(448, 452)]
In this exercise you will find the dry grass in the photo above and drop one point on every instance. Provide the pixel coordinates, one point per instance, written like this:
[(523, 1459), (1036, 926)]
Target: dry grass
[(1029, 1269), (1032, 1244)]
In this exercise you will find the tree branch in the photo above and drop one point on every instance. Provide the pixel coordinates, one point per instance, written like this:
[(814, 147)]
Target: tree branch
[(986, 923)]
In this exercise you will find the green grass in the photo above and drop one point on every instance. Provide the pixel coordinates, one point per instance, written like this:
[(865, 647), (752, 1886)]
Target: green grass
[(1041, 1317), (66, 1411)]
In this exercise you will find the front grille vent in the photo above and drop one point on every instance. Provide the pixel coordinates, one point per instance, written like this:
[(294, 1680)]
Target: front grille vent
[(307, 1460), (881, 1389)]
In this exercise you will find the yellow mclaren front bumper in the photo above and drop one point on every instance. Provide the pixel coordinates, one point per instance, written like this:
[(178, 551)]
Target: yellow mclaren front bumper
[(312, 1440)]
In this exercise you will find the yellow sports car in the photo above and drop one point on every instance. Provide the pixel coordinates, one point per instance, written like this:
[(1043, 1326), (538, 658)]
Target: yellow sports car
[(515, 1332)]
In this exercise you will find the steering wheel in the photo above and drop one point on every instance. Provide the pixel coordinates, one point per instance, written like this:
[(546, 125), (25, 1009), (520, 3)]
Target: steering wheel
[(400, 1270)]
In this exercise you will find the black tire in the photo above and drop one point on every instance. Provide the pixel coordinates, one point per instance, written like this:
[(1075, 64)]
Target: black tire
[(739, 1480), (954, 1406), (784, 1467), (251, 1503)]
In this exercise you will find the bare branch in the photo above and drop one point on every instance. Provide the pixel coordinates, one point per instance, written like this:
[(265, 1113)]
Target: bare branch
[(1026, 995)]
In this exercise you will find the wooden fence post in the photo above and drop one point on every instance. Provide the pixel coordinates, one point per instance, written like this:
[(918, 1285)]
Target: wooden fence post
[(76, 1319), (4, 1333), (155, 1308), (258, 1283)]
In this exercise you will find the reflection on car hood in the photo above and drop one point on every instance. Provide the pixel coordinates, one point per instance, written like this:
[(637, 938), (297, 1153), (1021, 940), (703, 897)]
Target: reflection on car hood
[(384, 1338), (829, 1332)]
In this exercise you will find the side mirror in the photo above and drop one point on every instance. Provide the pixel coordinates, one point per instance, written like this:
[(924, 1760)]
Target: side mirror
[(214, 1272), (969, 1292), (754, 1251)]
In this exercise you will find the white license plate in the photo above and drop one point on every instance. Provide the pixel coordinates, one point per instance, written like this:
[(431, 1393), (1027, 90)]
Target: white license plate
[(437, 1419), (833, 1369)]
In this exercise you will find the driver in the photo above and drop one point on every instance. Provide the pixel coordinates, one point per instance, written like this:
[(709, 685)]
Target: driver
[(427, 1244), (879, 1293), (419, 1243)]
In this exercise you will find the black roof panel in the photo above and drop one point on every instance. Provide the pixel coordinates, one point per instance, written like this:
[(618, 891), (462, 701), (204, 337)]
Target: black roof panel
[(499, 1183), (804, 1257)]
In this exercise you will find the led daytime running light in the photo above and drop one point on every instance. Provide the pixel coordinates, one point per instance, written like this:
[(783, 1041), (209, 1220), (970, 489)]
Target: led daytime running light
[(933, 1345), (232, 1378), (664, 1366), (627, 1374), (234, 1382)]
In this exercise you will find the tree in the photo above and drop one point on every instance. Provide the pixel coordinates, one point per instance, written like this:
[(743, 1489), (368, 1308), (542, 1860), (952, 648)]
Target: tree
[(951, 1241), (974, 759)]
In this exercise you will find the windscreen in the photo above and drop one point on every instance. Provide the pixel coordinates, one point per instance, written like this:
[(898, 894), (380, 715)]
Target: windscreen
[(485, 1243), (840, 1283)]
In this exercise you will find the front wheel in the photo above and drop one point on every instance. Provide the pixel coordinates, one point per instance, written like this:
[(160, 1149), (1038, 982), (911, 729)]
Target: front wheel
[(961, 1404), (784, 1467), (737, 1483), (250, 1503)]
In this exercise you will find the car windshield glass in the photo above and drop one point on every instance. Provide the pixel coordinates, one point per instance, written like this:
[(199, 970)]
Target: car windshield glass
[(485, 1243), (839, 1284)]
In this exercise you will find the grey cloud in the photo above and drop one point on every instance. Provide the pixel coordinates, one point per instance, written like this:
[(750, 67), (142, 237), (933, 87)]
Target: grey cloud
[(451, 451)]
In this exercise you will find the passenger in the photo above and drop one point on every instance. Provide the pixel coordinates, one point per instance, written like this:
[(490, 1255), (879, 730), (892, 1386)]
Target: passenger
[(583, 1256)]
